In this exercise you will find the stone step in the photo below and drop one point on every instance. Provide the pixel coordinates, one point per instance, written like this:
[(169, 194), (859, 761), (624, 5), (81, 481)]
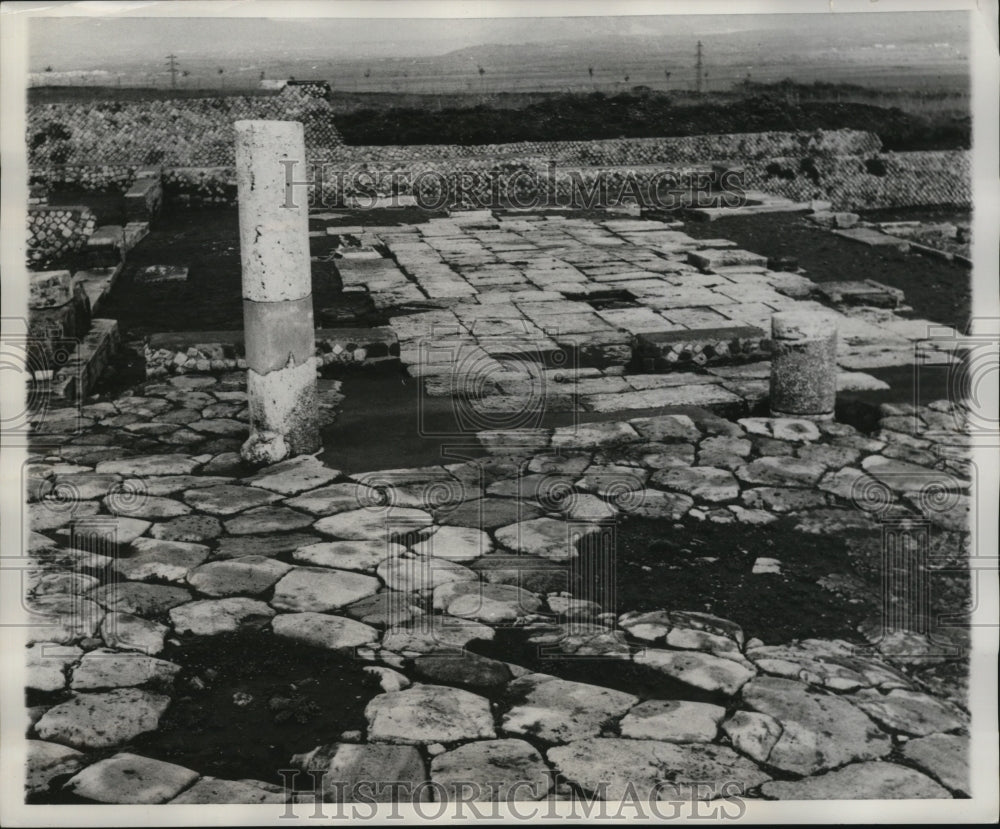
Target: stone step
[(706, 260)]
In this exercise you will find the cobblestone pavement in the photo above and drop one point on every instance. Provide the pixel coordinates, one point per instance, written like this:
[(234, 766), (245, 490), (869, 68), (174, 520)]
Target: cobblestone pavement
[(402, 568)]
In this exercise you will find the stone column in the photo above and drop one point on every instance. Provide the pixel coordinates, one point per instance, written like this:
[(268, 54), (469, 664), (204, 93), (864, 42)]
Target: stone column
[(803, 365), (277, 294)]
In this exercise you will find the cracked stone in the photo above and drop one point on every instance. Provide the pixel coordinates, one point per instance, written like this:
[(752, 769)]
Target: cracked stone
[(45, 762), (153, 558), (139, 598), (496, 770), (909, 712), (320, 630), (192, 528), (703, 482), (294, 476), (431, 634), (673, 721), (429, 714), (228, 499), (350, 769), (267, 520), (859, 781), (492, 604), (546, 537), (212, 616), (124, 631), (146, 465), (46, 665), (248, 575), (700, 670), (212, 790), (103, 668), (377, 524), (781, 470), (320, 589), (128, 778), (103, 720), (944, 757)]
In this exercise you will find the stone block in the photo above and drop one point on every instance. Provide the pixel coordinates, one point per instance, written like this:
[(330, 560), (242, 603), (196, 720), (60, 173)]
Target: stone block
[(155, 274), (866, 292), (49, 289), (81, 372), (670, 350), (143, 200), (707, 260)]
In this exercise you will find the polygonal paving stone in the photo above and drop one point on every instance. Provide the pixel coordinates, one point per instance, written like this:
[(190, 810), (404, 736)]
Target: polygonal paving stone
[(700, 670), (369, 773), (723, 451), (144, 506), (336, 498), (347, 555), (46, 665), (45, 762), (492, 604), (266, 520), (559, 711), (83, 487), (781, 471), (560, 463), (128, 778), (664, 428), (62, 619), (376, 524), (145, 465), (271, 545), (220, 426), (703, 482), (615, 768), (587, 507), (782, 499), (192, 528), (153, 558), (491, 770), (294, 476), (41, 583), (139, 598), (674, 721), (429, 714), (385, 609), (123, 631), (105, 531), (591, 435), (51, 514), (321, 589), (832, 664), (319, 630), (103, 668), (228, 499), (212, 616), (421, 573), (431, 634), (248, 575), (909, 712), (172, 484), (487, 513), (579, 639), (103, 720), (944, 757), (212, 790), (458, 544), (781, 428), (859, 781), (546, 537), (653, 503), (462, 668), (817, 731), (539, 575)]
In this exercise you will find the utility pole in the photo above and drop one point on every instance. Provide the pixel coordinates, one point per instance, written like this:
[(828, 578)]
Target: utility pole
[(172, 65), (698, 71)]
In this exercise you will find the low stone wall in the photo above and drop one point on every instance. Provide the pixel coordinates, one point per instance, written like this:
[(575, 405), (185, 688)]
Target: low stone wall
[(54, 232)]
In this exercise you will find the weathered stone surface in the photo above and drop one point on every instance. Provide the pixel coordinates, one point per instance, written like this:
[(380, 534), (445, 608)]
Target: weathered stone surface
[(124, 631), (62, 619), (104, 668), (375, 772), (700, 670), (560, 463), (45, 762), (46, 665), (945, 757), (153, 558), (385, 609), (102, 720), (780, 471), (388, 679), (782, 499), (546, 537), (262, 545), (294, 476), (248, 575), (704, 482), (172, 484), (492, 770), (859, 781), (591, 435), (228, 499), (145, 465), (321, 589), (723, 451), (140, 599), (493, 604), (192, 528), (559, 711), (487, 513), (818, 731), (781, 428), (144, 506), (539, 575), (376, 524), (462, 668), (117, 531), (320, 630), (459, 544), (675, 721), (84, 486), (653, 503), (663, 428), (833, 664), (616, 769), (429, 714), (421, 573), (267, 520), (909, 712), (212, 790), (212, 616), (330, 500), (348, 555), (128, 778), (49, 515), (430, 634), (579, 639)]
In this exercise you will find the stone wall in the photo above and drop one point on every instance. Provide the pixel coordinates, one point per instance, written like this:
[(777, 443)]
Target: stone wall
[(54, 232)]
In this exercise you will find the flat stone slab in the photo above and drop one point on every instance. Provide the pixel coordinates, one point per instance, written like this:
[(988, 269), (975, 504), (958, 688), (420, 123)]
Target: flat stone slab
[(781, 470), (945, 757), (617, 769), (320, 630), (192, 528), (865, 292), (487, 513), (153, 558), (704, 482), (265, 520), (46, 663), (103, 668), (873, 238), (797, 730), (909, 712), (353, 772), (133, 633), (559, 711), (89, 721), (213, 616), (47, 761), (593, 435), (674, 721), (363, 555), (139, 598), (859, 781), (294, 476), (422, 573), (492, 771), (146, 465), (373, 523), (385, 609), (431, 634), (546, 537), (212, 790), (228, 499), (128, 778), (154, 274), (652, 503), (321, 589), (458, 544), (429, 714), (463, 668), (492, 604), (700, 670), (263, 545), (247, 575), (707, 260), (330, 500)]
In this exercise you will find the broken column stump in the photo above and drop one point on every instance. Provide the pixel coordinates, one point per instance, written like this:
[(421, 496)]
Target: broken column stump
[(277, 293), (803, 365)]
